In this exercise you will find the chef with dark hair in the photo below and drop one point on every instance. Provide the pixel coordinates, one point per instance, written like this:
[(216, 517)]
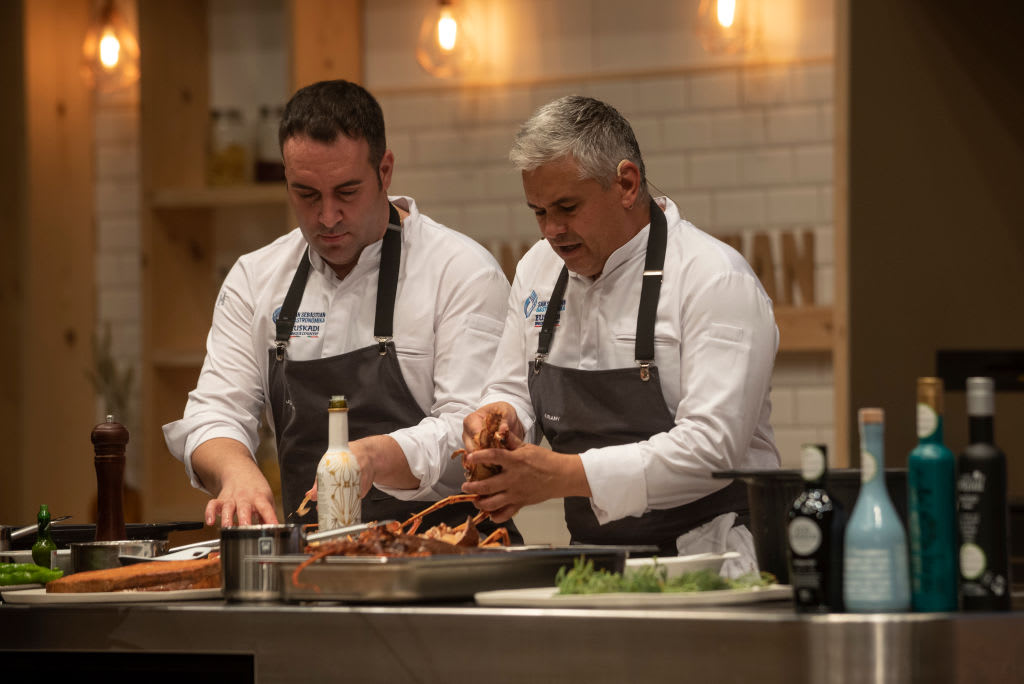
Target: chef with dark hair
[(368, 298)]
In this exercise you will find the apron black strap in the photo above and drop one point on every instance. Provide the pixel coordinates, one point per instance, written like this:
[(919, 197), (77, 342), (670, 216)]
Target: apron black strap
[(286, 318), (650, 291), (547, 330), (387, 287), (387, 280)]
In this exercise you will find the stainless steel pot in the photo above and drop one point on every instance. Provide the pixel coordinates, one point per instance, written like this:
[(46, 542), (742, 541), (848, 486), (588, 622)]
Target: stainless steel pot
[(244, 550), (105, 554)]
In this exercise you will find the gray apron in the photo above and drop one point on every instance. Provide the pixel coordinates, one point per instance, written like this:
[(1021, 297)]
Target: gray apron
[(579, 410), (371, 379)]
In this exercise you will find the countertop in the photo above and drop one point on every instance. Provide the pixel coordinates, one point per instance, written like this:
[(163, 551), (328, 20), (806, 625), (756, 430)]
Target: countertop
[(460, 641)]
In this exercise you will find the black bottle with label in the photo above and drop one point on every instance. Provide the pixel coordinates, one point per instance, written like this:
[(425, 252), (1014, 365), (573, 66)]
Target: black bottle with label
[(982, 511), (815, 534)]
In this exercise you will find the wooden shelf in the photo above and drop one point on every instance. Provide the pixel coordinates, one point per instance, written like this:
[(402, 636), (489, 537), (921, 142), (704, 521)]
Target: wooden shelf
[(805, 328), (219, 196)]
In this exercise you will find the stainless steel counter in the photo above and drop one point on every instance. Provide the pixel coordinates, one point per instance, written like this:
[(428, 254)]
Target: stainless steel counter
[(446, 643)]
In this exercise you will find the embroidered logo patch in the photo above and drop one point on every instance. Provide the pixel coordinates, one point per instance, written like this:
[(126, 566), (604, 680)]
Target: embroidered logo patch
[(530, 304), (307, 323), (542, 308)]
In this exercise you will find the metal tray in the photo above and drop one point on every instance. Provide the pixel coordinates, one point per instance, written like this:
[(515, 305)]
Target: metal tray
[(384, 579)]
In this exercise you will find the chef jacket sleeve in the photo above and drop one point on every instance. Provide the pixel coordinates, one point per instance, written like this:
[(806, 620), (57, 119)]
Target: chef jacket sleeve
[(468, 326), (507, 378), (228, 399), (727, 352)]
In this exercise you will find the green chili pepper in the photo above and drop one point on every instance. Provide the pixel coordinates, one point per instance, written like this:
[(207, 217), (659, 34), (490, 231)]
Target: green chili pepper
[(27, 573)]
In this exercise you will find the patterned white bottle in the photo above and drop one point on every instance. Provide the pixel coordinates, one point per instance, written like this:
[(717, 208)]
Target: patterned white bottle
[(337, 476)]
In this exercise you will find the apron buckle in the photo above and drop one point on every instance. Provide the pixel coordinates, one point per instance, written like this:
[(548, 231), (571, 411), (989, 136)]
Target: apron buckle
[(280, 350), (537, 362), (382, 345), (645, 370)]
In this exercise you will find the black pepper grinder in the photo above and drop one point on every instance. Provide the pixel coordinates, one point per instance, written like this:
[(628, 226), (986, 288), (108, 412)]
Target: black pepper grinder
[(108, 441)]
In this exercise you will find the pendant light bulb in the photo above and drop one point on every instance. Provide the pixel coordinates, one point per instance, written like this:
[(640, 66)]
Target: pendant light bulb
[(728, 27), (110, 51), (445, 48)]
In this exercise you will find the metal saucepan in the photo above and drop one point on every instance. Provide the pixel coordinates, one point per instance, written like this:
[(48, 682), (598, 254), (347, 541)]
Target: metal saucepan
[(106, 554), (248, 574)]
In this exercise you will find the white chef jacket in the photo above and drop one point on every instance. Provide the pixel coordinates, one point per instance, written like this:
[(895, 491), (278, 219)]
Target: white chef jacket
[(715, 341), (447, 323)]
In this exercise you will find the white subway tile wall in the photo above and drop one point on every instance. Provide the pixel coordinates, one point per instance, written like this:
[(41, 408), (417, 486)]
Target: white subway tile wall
[(739, 148)]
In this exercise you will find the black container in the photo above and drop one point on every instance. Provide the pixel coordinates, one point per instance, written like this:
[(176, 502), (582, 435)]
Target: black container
[(771, 493)]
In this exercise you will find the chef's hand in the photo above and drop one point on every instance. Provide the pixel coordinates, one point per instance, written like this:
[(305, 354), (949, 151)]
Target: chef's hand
[(529, 475), (475, 422), (380, 460), (225, 466)]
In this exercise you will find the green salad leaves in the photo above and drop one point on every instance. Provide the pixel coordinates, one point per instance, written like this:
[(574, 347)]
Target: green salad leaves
[(584, 579)]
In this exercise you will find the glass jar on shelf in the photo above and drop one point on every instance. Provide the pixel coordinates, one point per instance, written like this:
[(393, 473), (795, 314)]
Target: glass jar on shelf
[(268, 168), (229, 148)]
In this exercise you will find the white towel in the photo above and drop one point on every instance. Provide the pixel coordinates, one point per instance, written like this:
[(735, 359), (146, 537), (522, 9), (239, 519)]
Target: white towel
[(719, 536)]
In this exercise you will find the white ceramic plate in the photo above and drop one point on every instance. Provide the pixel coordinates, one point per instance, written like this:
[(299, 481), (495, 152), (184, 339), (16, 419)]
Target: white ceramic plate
[(40, 596), (547, 597), (677, 565), (19, 587)]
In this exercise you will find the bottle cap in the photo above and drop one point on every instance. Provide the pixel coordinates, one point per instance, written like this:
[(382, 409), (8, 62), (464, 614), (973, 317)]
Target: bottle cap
[(337, 402), (813, 461), (981, 398), (929, 391), (871, 415), (44, 512)]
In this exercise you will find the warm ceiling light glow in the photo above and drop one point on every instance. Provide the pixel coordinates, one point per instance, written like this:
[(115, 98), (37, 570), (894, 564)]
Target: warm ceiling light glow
[(110, 52), (445, 48), (447, 30), (726, 12), (729, 27), (110, 49)]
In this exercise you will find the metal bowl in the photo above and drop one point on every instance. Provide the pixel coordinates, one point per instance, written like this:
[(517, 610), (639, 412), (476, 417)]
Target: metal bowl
[(106, 554)]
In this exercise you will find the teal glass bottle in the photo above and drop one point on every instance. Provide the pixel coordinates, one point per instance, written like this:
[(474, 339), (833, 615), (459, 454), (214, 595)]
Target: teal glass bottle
[(875, 573), (931, 504)]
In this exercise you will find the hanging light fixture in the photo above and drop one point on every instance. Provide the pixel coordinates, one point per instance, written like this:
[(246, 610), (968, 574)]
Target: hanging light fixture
[(110, 52), (445, 48), (727, 26)]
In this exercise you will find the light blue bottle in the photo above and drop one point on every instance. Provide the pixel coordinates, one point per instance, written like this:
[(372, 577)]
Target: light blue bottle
[(875, 573), (931, 503)]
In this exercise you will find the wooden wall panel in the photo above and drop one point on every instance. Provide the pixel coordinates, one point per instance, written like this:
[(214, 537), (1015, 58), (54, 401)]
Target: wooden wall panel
[(59, 293), (327, 40), (12, 257), (936, 167)]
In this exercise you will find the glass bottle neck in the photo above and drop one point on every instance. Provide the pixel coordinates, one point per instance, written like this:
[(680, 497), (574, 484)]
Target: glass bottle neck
[(872, 453), (980, 429), (337, 430), (933, 437)]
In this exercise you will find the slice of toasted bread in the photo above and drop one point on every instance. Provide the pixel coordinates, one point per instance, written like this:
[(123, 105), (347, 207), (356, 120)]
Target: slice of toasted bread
[(153, 576)]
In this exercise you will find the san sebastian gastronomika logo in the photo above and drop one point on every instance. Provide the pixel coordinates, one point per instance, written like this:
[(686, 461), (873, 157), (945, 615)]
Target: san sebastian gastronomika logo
[(307, 323), (530, 304)]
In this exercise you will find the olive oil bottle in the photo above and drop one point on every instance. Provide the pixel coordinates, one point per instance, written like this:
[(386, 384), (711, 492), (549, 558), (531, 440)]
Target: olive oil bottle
[(338, 476), (931, 503), (815, 534), (982, 510), (875, 573)]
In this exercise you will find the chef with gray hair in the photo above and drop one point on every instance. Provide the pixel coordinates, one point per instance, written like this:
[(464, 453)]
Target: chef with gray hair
[(641, 347)]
